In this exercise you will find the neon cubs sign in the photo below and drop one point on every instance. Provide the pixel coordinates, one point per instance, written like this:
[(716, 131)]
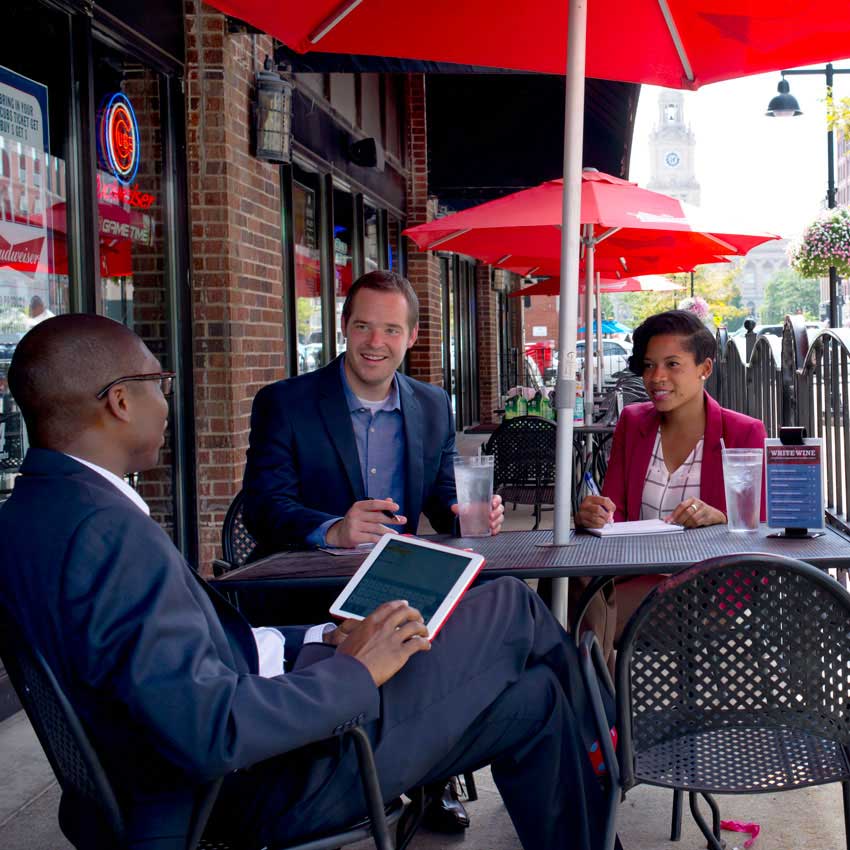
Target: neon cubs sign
[(118, 138)]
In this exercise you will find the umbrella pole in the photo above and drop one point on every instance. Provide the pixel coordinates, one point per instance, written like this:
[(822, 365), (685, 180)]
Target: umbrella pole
[(589, 372), (600, 345), (571, 222)]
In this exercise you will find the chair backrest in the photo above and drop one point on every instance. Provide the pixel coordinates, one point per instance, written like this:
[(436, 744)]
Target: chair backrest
[(524, 452), (66, 744), (738, 641), (237, 543)]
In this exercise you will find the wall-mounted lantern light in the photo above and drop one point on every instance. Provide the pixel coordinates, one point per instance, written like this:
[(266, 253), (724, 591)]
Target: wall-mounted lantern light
[(273, 116)]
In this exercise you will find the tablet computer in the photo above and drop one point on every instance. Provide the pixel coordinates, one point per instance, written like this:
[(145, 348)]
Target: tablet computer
[(432, 578)]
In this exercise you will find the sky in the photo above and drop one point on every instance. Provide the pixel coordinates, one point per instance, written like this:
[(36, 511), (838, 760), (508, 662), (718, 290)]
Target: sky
[(772, 172)]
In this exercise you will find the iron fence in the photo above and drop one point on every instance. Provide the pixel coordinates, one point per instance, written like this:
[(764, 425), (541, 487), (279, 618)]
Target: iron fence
[(800, 379)]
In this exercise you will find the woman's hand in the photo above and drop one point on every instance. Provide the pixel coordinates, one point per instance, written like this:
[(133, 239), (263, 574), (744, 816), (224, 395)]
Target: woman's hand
[(694, 513), (595, 511)]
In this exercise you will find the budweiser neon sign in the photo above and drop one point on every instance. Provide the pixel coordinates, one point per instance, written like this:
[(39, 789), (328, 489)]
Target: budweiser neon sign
[(21, 256), (130, 196)]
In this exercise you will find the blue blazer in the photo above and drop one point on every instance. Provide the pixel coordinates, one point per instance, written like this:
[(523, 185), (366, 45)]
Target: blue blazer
[(161, 669), (303, 468)]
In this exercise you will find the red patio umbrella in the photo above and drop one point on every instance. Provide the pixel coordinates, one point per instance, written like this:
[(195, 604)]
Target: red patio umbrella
[(647, 283), (674, 43)]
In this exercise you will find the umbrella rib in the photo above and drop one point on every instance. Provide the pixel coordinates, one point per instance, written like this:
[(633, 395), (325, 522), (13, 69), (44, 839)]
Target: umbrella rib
[(677, 39), (442, 239), (719, 241), (343, 10), (610, 232)]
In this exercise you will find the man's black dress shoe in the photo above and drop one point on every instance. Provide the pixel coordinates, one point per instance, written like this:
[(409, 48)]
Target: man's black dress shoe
[(445, 813)]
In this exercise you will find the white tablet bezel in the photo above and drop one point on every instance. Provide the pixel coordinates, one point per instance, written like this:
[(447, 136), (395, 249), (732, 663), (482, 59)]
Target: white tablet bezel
[(464, 580)]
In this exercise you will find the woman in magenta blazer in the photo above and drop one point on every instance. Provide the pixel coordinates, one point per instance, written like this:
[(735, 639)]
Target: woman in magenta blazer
[(666, 457), (681, 425)]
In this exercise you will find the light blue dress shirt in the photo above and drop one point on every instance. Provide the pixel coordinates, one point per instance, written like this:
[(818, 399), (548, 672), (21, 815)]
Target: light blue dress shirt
[(379, 435)]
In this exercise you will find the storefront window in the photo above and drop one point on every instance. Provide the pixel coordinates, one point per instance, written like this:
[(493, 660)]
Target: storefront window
[(33, 228), (308, 275), (343, 239), (394, 244), (371, 251)]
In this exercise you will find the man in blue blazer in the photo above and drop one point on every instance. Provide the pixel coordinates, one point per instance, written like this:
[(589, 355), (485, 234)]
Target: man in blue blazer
[(342, 455), (175, 688)]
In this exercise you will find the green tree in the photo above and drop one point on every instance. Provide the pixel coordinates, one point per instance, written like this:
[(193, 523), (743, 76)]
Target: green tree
[(716, 283), (786, 292)]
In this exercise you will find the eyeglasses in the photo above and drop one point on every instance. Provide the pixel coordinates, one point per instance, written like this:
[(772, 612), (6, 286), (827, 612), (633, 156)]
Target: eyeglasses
[(166, 382)]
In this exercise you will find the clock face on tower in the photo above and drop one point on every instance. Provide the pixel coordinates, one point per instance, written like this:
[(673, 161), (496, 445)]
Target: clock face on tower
[(672, 159)]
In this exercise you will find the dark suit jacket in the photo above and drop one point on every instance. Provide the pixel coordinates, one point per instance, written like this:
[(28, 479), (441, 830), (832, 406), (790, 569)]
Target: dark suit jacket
[(303, 466), (634, 440), (161, 669)]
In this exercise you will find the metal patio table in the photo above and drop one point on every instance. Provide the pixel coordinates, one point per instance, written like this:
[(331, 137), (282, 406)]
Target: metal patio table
[(519, 554)]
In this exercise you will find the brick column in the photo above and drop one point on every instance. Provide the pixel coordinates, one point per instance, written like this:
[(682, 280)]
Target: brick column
[(488, 345), (423, 269), (236, 259)]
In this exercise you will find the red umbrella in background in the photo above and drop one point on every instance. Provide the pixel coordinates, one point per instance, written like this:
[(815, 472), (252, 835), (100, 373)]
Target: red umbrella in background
[(648, 283), (631, 228), (624, 229)]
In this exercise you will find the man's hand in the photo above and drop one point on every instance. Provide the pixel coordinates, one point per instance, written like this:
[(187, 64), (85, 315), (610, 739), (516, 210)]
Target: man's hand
[(595, 511), (365, 522), (337, 635), (497, 514), (386, 639)]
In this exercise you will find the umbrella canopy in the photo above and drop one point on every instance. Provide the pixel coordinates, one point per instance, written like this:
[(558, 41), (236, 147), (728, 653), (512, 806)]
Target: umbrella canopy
[(634, 229), (609, 326), (647, 283), (679, 43)]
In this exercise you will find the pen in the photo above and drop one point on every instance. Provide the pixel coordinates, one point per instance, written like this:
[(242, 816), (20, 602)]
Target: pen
[(593, 489), (389, 514)]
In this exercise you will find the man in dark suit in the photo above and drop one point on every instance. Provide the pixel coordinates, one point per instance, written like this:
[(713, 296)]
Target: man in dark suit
[(342, 455), (175, 688)]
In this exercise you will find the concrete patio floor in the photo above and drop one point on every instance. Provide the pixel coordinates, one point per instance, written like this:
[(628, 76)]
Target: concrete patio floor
[(800, 820)]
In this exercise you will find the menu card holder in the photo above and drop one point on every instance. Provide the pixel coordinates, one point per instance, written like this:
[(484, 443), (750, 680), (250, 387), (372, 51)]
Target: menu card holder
[(794, 435)]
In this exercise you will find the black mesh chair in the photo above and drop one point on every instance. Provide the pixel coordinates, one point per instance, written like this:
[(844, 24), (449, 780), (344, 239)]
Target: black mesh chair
[(733, 677), (523, 449), (237, 543), (81, 775)]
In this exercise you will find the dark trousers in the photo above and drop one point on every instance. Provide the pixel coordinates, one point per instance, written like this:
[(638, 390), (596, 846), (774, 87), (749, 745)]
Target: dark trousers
[(500, 686)]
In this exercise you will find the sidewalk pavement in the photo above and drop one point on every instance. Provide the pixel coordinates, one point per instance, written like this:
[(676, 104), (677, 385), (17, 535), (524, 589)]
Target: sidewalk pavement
[(798, 820)]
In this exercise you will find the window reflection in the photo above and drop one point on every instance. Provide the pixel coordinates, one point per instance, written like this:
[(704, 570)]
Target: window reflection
[(343, 237), (308, 301)]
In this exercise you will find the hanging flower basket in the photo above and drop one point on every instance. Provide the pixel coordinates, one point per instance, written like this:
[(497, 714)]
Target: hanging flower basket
[(698, 306), (824, 243)]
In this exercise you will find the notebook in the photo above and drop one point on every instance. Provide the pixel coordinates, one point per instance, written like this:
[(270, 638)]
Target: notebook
[(640, 526)]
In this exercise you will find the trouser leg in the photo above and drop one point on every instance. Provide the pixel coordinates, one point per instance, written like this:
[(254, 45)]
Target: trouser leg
[(446, 711)]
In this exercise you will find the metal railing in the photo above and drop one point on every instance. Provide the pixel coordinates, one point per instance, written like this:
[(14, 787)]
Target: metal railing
[(797, 379)]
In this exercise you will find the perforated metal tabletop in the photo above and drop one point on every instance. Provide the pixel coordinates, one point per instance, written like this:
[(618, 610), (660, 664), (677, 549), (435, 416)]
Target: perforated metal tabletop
[(518, 553)]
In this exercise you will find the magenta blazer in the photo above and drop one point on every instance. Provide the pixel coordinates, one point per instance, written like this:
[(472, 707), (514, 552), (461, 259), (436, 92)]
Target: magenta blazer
[(632, 450)]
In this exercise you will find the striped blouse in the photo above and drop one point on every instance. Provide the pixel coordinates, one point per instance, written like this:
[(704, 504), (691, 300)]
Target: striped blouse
[(663, 491)]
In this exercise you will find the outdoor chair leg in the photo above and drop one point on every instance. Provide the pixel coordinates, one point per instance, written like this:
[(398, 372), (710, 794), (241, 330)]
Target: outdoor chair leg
[(676, 820), (411, 818), (472, 790), (845, 796), (537, 517), (712, 838)]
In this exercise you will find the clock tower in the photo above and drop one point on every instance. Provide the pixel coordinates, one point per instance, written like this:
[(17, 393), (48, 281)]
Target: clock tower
[(671, 150)]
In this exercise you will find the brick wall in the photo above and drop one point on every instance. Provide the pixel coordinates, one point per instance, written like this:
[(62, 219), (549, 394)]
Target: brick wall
[(423, 269), (236, 259)]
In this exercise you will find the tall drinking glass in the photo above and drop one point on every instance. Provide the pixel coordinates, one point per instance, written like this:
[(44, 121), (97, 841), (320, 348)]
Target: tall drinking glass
[(742, 470), (474, 484)]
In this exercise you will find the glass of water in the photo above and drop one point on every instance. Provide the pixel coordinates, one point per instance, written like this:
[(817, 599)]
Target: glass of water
[(742, 471), (474, 484)]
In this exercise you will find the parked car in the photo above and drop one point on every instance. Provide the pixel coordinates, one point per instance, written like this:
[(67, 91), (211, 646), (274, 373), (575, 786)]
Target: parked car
[(615, 357)]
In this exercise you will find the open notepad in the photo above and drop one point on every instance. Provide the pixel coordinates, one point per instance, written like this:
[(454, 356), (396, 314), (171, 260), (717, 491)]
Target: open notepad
[(640, 526)]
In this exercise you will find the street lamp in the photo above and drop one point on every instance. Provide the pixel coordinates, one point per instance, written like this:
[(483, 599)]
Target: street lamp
[(784, 105)]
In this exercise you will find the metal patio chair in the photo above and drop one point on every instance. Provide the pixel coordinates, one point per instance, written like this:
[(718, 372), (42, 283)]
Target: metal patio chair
[(733, 677), (237, 543), (81, 775), (523, 449)]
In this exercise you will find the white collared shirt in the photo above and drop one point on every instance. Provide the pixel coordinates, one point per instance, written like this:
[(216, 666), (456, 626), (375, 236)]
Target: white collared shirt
[(270, 642)]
